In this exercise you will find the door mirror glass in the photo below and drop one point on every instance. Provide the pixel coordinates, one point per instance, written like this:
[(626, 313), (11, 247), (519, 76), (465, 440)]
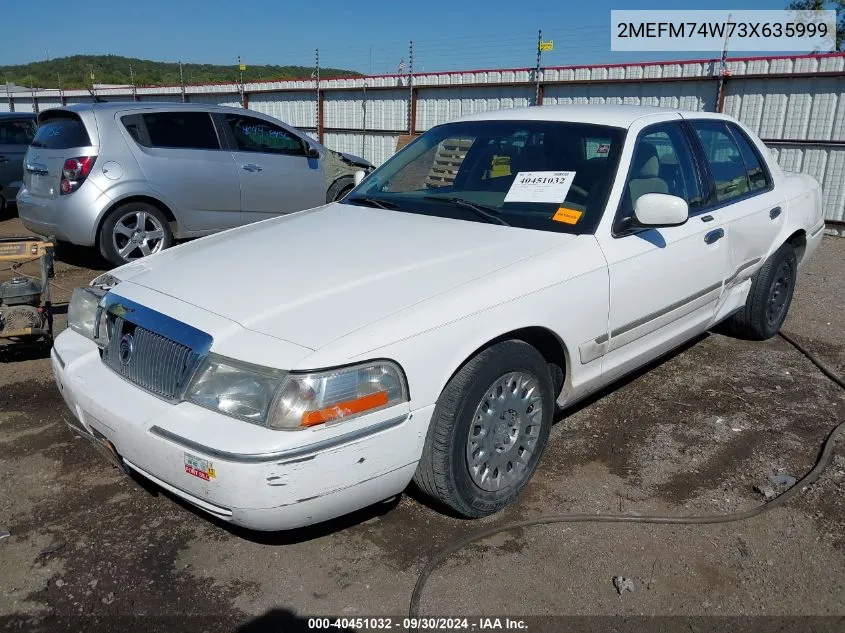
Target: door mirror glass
[(660, 209), (359, 176)]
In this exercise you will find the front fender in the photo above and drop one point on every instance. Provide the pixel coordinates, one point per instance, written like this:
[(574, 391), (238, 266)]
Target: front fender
[(564, 290)]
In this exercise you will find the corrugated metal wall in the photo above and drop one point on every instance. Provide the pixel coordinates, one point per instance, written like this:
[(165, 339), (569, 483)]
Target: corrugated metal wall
[(439, 105), (295, 108), (687, 95), (795, 103)]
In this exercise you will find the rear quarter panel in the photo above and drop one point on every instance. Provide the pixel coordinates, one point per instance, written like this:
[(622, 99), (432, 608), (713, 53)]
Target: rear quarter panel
[(803, 196)]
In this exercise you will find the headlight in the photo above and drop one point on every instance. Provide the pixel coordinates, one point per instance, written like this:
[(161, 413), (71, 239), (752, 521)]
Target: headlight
[(337, 394), (82, 310), (279, 400), (106, 281), (238, 389)]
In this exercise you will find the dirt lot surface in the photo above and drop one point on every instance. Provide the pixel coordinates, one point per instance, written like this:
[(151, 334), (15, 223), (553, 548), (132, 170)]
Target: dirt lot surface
[(692, 434)]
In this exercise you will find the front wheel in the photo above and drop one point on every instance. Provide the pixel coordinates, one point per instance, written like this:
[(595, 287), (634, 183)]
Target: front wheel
[(488, 430), (769, 299), (339, 189), (132, 231)]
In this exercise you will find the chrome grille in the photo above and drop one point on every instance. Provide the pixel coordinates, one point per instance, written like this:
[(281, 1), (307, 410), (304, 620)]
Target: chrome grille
[(150, 360)]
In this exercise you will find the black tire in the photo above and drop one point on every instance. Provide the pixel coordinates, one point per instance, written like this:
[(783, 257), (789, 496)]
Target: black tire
[(443, 473), (340, 188), (769, 298), (109, 250)]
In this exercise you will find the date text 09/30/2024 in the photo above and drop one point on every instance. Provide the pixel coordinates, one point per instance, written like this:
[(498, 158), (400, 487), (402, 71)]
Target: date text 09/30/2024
[(419, 624)]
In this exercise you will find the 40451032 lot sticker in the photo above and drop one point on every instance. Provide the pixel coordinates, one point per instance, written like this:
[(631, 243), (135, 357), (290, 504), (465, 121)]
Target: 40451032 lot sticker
[(198, 467)]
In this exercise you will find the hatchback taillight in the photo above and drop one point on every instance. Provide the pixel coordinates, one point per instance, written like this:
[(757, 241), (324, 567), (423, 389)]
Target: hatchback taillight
[(74, 173)]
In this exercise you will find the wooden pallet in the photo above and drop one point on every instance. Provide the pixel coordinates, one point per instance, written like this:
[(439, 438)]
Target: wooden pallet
[(447, 161)]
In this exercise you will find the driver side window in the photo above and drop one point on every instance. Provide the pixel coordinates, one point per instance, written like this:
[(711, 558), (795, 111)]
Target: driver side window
[(662, 163), (257, 135)]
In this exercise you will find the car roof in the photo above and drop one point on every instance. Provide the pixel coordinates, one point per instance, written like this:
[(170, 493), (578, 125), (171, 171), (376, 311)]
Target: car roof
[(17, 115), (144, 105), (602, 114)]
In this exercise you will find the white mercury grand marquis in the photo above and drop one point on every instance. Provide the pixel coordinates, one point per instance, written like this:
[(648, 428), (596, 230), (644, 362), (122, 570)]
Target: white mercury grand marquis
[(421, 329)]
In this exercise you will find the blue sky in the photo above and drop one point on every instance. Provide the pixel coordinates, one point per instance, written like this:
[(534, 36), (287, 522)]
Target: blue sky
[(363, 35)]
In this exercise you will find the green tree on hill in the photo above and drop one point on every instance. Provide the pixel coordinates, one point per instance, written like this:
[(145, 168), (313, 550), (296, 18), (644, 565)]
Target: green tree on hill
[(75, 72), (822, 5)]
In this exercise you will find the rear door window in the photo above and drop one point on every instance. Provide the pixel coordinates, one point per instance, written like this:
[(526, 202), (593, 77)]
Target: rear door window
[(758, 175), (17, 131), (724, 158), (62, 132), (175, 130)]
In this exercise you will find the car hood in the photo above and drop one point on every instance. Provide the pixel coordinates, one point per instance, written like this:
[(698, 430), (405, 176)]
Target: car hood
[(355, 160), (315, 276)]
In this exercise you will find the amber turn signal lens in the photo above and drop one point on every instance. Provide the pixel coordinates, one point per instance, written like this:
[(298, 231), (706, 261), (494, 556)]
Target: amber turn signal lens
[(343, 409)]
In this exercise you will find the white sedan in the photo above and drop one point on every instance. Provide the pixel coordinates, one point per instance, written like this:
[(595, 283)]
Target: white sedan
[(421, 329)]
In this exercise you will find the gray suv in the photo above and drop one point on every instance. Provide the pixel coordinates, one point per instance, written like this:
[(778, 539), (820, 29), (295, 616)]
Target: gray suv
[(130, 178), (17, 130)]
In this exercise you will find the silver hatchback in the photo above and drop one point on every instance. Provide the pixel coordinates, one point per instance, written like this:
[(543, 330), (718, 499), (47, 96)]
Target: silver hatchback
[(130, 178)]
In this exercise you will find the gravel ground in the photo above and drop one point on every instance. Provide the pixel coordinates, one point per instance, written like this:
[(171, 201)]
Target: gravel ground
[(693, 433)]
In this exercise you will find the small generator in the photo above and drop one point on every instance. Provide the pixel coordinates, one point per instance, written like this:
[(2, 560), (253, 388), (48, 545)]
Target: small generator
[(26, 312)]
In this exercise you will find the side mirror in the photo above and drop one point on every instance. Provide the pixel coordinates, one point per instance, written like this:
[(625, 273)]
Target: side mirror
[(310, 152), (359, 176), (660, 209)]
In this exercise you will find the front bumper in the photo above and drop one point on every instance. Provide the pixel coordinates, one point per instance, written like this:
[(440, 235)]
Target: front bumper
[(241, 473)]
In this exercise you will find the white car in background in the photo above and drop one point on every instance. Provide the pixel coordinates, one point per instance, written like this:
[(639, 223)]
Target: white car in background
[(423, 327)]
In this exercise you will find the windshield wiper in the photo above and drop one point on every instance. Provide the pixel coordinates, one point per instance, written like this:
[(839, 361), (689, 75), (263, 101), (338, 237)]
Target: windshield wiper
[(487, 213), (374, 202)]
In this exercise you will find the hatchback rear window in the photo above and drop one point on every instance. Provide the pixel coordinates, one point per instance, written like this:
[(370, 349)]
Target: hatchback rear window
[(61, 133)]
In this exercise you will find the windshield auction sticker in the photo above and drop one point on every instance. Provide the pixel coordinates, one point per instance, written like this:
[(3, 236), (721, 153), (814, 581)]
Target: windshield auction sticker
[(567, 216), (540, 186)]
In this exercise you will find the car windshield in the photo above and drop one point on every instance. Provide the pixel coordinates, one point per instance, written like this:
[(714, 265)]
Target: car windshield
[(544, 175)]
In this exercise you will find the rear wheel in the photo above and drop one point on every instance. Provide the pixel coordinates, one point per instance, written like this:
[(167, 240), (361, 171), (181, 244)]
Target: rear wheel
[(488, 430), (769, 299), (133, 231)]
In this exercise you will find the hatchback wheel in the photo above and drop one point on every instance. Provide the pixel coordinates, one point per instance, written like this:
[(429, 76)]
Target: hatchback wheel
[(488, 430), (133, 231)]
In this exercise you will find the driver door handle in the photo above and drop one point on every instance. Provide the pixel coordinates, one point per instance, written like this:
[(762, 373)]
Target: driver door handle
[(714, 236), (251, 167)]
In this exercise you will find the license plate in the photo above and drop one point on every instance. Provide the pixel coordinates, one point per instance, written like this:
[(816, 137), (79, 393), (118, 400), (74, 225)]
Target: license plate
[(198, 467), (39, 183)]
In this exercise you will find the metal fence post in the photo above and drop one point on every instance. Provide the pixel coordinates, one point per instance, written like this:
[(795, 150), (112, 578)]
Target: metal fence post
[(319, 95), (412, 97), (9, 96), (537, 95)]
